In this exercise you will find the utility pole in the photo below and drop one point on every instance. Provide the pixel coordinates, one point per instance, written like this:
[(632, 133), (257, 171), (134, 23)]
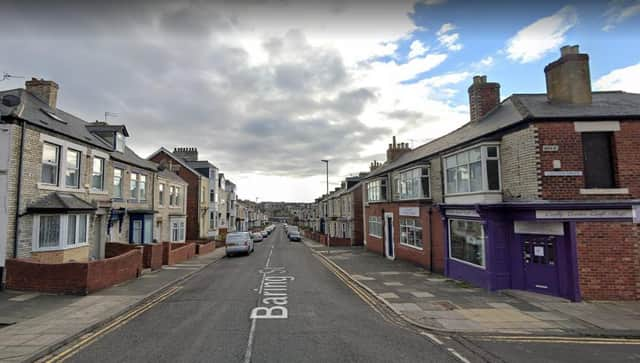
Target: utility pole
[(326, 211)]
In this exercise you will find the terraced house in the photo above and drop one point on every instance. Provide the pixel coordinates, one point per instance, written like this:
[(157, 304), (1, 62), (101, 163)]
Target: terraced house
[(68, 186), (536, 192)]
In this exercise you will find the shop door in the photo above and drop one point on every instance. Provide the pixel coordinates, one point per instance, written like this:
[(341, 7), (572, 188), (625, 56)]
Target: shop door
[(540, 264)]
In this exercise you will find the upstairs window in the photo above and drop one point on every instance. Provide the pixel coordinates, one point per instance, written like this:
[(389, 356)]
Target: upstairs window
[(117, 182), (598, 160), (172, 195), (120, 143), (178, 196), (161, 194), (97, 176), (473, 170), (142, 186), (50, 163), (72, 174), (411, 184), (377, 190), (133, 186)]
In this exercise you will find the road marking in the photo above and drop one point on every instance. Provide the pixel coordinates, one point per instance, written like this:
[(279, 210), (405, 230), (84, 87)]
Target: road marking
[(555, 339), (458, 355), (432, 337), (565, 341), (118, 322)]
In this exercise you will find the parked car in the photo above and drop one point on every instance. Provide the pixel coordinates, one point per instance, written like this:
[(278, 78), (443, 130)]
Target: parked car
[(238, 242), (264, 233), (295, 236), (292, 229), (257, 236)]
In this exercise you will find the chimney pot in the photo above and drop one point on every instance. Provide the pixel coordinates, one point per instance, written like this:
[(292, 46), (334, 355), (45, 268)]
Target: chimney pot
[(569, 49)]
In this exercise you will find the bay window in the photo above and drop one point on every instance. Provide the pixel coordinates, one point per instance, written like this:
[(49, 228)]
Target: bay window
[(473, 170), (467, 241), (377, 190), (59, 231), (412, 184), (411, 232), (177, 230)]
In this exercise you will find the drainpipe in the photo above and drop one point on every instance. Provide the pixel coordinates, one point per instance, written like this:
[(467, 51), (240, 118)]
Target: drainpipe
[(18, 192), (430, 240)]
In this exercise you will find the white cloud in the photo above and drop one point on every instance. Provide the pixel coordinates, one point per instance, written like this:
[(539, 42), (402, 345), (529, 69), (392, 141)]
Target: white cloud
[(448, 39), (542, 36), (417, 49), (621, 79), (620, 11)]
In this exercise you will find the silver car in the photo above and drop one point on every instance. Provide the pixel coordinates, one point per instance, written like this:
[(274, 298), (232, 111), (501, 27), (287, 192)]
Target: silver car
[(238, 242)]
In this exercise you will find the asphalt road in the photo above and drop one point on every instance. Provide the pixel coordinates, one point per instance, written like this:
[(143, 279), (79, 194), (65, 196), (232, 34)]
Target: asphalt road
[(208, 319)]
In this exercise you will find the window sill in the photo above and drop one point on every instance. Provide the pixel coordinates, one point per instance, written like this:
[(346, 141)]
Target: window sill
[(58, 248), (98, 192), (374, 236), (44, 186), (604, 191), (467, 263), (411, 199), (411, 246)]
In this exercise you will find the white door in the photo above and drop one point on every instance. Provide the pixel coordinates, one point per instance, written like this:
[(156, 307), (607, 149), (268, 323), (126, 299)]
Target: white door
[(5, 137), (389, 248)]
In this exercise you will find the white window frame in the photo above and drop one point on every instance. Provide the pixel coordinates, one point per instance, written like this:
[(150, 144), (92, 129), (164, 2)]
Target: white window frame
[(483, 159), (400, 178), (142, 194), (180, 223), (62, 145), (484, 243), (374, 190), (57, 164), (374, 220), (102, 172), (119, 187), (77, 168), (62, 238), (120, 142), (161, 194), (411, 228)]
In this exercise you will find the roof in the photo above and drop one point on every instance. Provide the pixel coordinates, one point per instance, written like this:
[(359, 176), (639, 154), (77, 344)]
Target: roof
[(169, 175), (36, 112), (175, 158), (519, 108), (201, 164), (60, 202)]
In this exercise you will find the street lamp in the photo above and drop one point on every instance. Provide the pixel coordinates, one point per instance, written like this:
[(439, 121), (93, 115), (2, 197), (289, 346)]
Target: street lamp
[(326, 211)]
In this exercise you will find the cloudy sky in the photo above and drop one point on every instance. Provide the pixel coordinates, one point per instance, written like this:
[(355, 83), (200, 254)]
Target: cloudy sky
[(266, 89)]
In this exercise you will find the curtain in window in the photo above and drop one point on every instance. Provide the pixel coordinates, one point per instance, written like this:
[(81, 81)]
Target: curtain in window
[(49, 235)]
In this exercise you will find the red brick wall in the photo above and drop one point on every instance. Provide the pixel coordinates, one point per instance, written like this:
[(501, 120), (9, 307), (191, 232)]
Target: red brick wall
[(56, 278), (152, 256), (336, 241), (113, 249), (204, 248), (563, 134), (111, 271), (609, 260), (193, 192), (177, 252), (420, 257)]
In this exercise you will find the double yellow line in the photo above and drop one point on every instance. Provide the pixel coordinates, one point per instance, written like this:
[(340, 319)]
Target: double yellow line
[(116, 323), (559, 340)]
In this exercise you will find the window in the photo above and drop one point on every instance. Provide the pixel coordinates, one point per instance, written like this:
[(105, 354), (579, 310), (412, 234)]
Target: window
[(466, 241), (50, 163), (377, 190), (212, 196), (212, 220), (72, 174), (411, 184), (120, 143), (117, 182), (598, 160), (474, 170), (375, 226), (161, 194), (172, 196), (133, 186), (53, 232), (177, 196), (411, 232), (142, 187), (177, 230), (97, 176)]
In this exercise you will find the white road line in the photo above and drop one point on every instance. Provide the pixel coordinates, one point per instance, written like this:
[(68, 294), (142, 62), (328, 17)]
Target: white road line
[(453, 351), (432, 337)]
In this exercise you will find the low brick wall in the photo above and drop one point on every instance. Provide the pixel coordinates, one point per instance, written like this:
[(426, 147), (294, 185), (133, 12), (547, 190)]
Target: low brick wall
[(113, 249), (204, 248), (152, 256), (111, 271), (335, 241), (77, 278), (220, 243), (177, 252)]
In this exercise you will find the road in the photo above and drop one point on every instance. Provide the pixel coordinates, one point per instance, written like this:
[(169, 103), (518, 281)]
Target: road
[(208, 320)]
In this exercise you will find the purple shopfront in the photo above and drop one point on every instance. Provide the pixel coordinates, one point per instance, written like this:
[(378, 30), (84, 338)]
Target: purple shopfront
[(520, 246)]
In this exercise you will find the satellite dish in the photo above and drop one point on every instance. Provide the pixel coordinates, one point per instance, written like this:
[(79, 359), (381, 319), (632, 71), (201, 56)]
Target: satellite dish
[(11, 100)]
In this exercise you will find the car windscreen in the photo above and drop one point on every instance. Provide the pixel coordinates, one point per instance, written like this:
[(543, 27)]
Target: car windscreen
[(236, 238)]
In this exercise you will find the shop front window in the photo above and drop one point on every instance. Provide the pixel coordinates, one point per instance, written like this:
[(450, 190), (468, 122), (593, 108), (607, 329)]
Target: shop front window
[(467, 241)]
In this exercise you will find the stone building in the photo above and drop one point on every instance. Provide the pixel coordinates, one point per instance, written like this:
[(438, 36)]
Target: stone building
[(170, 204)]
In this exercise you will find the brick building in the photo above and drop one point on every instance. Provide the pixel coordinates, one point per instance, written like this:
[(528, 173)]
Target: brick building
[(197, 196), (537, 192)]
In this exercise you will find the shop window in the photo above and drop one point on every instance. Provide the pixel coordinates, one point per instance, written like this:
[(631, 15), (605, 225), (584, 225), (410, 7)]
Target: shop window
[(411, 232), (467, 241)]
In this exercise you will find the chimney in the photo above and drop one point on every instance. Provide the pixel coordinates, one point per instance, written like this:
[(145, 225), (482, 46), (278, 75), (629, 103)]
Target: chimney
[(374, 165), (568, 78), (186, 153), (46, 91), (396, 150), (483, 97)]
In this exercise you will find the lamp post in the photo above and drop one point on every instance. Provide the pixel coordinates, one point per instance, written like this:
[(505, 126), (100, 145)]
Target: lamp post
[(326, 211)]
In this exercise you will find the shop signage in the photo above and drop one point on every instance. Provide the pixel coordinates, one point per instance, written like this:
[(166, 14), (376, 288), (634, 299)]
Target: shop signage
[(584, 214), (463, 213), (563, 173), (543, 228), (410, 211), (550, 148)]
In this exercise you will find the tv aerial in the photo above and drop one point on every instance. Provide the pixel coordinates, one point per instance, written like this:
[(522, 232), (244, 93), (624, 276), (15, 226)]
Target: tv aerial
[(6, 76)]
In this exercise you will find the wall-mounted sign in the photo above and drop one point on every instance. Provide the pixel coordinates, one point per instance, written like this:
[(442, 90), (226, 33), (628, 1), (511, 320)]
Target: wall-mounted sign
[(585, 214), (563, 173), (538, 251), (410, 211), (548, 148), (543, 228), (462, 213)]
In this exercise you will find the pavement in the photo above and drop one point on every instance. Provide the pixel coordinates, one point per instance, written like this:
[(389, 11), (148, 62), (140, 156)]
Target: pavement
[(33, 324), (440, 304)]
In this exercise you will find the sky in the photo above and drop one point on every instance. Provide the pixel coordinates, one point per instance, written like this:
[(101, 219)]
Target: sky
[(267, 89)]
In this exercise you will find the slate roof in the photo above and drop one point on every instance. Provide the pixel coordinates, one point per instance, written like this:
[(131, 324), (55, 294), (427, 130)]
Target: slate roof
[(60, 202), (130, 157), (520, 108), (169, 175)]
